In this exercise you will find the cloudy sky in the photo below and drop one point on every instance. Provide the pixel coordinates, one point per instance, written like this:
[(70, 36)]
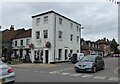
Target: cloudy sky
[(99, 19)]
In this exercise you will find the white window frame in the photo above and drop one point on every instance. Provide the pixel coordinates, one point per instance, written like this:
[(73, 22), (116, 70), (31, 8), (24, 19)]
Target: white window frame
[(60, 21), (37, 21), (60, 34), (45, 19), (45, 33)]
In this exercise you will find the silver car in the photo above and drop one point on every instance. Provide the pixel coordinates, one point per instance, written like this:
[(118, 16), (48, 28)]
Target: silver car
[(7, 74), (90, 63)]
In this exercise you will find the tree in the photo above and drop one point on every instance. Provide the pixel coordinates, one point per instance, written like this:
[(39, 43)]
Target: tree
[(114, 45)]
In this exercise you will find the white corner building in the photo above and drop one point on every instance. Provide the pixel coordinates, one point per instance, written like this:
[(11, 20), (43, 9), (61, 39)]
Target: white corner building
[(54, 36)]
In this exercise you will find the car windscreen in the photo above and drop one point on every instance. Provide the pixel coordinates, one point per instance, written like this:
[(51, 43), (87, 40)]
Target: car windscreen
[(88, 58)]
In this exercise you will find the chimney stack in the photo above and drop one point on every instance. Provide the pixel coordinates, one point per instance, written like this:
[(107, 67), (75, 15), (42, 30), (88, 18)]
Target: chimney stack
[(104, 39), (12, 27)]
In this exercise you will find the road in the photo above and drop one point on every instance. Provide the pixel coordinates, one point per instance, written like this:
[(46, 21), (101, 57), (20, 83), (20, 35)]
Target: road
[(64, 72)]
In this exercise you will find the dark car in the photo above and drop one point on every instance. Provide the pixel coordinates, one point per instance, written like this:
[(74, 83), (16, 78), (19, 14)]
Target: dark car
[(90, 63)]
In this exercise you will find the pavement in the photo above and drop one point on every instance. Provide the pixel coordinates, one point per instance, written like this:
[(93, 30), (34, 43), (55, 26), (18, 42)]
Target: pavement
[(29, 65)]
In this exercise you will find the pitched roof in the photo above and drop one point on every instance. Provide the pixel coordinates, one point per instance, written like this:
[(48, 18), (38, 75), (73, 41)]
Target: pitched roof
[(26, 33), (10, 34), (86, 46)]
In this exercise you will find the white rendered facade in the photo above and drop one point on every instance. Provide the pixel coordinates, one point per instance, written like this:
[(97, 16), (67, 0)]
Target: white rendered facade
[(63, 35), (21, 49)]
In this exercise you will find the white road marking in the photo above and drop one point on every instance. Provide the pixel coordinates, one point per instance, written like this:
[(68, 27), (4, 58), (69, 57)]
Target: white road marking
[(113, 78), (75, 74), (26, 70), (64, 70), (87, 75), (54, 72), (42, 72), (100, 77), (116, 70), (65, 73), (36, 71)]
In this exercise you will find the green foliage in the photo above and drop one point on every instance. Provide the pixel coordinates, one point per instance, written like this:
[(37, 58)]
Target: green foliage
[(117, 52), (114, 45)]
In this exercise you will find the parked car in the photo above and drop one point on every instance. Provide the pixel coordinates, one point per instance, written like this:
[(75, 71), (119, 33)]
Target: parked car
[(116, 55), (7, 74), (76, 57), (90, 63)]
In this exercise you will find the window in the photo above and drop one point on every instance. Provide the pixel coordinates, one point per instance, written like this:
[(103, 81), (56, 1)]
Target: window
[(15, 43), (60, 21), (37, 34), (71, 25), (37, 21), (46, 19), (59, 54), (71, 51), (77, 38), (60, 35), (77, 51), (21, 42), (77, 28), (45, 33), (71, 37), (27, 41)]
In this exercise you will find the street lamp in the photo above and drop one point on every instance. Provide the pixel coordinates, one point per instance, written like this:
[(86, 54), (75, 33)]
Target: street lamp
[(80, 38)]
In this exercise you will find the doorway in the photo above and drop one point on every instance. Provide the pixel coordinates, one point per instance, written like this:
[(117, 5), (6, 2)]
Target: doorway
[(66, 52), (46, 56)]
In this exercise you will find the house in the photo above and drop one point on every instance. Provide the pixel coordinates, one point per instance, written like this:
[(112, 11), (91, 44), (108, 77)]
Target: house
[(54, 36), (90, 47), (7, 38), (105, 45), (20, 44)]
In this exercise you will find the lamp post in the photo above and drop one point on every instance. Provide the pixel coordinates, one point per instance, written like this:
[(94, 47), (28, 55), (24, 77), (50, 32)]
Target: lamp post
[(80, 38)]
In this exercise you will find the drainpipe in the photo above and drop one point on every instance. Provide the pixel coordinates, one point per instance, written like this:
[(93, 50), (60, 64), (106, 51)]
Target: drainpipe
[(54, 37)]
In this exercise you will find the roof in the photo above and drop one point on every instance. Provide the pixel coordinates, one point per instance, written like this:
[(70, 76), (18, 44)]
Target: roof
[(102, 42), (85, 46), (26, 33), (10, 34), (54, 13)]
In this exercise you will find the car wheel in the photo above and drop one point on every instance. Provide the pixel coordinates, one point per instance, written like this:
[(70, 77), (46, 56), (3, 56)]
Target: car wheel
[(94, 69)]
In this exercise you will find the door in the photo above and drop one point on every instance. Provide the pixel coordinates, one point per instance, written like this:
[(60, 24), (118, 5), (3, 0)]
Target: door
[(66, 52), (46, 56), (21, 53)]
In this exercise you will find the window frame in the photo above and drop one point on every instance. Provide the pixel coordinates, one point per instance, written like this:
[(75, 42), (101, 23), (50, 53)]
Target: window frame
[(37, 21), (45, 34), (60, 34), (45, 19), (60, 21), (37, 33)]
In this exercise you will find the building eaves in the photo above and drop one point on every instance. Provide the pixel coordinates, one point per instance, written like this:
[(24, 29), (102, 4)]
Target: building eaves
[(57, 14)]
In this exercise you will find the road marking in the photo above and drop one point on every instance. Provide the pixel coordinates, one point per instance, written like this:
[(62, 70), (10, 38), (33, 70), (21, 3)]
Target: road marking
[(42, 72), (75, 74), (26, 70), (116, 70), (113, 78), (64, 69), (35, 71), (100, 77), (54, 72), (87, 75), (65, 73)]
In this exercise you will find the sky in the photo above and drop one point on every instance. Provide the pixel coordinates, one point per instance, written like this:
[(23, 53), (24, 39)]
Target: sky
[(99, 19)]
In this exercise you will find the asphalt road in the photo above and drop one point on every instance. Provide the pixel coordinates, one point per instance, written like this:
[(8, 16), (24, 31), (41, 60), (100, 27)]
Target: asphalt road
[(64, 72)]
